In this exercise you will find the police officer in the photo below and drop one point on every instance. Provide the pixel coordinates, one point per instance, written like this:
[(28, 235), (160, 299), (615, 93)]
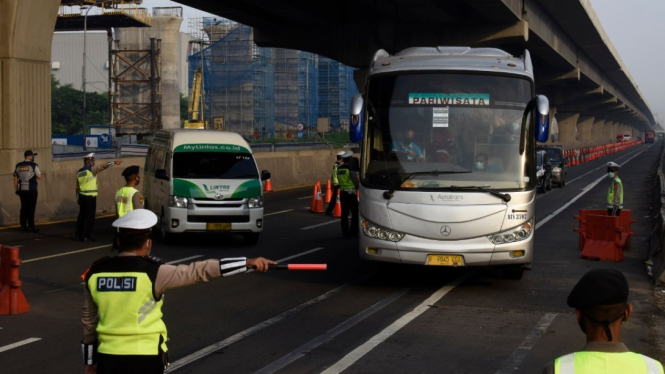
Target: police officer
[(128, 197), (348, 185), (600, 299), (123, 331), (335, 182), (26, 174), (86, 195), (615, 192)]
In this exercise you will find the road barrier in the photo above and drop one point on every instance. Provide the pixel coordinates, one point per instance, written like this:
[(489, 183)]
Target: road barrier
[(577, 156), (12, 300), (604, 237), (624, 219)]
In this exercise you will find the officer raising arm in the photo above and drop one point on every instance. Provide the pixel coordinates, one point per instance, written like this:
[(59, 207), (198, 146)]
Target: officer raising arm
[(601, 305), (123, 331)]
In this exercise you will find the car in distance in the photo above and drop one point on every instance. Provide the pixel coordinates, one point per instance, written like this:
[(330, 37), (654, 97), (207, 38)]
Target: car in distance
[(559, 163)]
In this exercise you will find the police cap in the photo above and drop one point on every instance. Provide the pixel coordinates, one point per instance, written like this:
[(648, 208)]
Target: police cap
[(90, 155), (28, 153), (612, 166), (347, 154), (138, 219), (599, 287), (130, 170), (341, 153)]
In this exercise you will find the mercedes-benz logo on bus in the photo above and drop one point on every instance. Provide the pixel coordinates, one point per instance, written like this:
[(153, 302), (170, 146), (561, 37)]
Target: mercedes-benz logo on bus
[(445, 230)]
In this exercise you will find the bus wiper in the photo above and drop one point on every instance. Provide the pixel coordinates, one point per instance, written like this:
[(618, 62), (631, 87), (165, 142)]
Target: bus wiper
[(503, 196), (389, 194)]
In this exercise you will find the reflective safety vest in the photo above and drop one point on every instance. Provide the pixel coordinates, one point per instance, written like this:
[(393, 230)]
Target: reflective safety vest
[(87, 181), (123, 200), (611, 192), (334, 174), (344, 178), (589, 362), (130, 316)]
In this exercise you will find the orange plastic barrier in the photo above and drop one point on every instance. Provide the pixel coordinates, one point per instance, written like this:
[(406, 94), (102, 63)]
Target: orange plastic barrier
[(624, 219), (12, 300)]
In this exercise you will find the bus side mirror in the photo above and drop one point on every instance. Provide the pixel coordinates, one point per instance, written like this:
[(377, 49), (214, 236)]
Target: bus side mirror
[(542, 114), (161, 174), (356, 123), (265, 175)]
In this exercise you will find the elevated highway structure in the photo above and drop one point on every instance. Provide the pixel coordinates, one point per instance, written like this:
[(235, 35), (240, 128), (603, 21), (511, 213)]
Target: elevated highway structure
[(591, 91)]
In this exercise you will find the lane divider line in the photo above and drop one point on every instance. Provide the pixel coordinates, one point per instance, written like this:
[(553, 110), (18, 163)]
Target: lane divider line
[(280, 212), (67, 253), (584, 191), (18, 344), (318, 225), (374, 341), (303, 198), (330, 334), (513, 362)]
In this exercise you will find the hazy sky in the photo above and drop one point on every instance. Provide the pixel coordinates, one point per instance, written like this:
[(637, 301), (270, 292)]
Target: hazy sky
[(635, 27)]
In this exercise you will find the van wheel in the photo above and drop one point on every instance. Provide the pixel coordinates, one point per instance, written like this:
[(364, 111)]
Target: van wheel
[(161, 230), (250, 239), (513, 273)]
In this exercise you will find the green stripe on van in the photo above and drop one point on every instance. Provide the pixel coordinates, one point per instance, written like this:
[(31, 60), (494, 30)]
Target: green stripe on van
[(202, 147), (186, 188), (250, 188)]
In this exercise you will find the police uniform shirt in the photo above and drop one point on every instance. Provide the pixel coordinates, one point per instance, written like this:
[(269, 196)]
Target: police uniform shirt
[(168, 277), (27, 172), (604, 347)]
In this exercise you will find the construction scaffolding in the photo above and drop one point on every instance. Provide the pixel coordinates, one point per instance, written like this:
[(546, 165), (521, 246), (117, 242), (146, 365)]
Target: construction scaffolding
[(296, 90), (336, 89)]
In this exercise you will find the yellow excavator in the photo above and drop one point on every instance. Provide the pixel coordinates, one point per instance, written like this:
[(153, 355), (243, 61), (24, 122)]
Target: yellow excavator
[(195, 120)]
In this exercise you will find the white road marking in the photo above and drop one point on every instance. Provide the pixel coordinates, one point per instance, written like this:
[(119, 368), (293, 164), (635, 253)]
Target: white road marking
[(514, 361), (303, 198), (320, 224), (328, 336), (18, 344), (66, 253), (374, 341), (280, 212)]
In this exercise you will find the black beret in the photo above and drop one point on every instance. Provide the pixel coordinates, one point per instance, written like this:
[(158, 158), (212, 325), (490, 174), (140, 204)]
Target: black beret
[(130, 170), (599, 287)]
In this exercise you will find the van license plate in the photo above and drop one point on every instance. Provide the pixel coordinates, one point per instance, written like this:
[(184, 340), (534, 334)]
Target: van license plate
[(445, 260), (218, 226)]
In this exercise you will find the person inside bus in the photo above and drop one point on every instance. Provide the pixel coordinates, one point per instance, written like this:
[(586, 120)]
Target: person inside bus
[(406, 149), (482, 164)]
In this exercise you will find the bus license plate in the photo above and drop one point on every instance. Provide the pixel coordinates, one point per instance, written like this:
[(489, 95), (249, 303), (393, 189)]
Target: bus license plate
[(218, 226), (445, 260)]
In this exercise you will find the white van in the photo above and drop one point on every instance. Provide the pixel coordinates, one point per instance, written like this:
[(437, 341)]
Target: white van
[(204, 181)]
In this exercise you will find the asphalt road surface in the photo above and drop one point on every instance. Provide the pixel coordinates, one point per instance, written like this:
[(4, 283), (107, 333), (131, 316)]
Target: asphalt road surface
[(356, 317)]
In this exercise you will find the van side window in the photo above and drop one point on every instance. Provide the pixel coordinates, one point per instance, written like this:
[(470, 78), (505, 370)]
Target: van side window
[(149, 161), (160, 158)]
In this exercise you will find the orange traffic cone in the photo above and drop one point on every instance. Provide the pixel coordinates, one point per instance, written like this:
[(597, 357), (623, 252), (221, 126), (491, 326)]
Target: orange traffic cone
[(328, 193), (268, 186), (317, 202), (337, 213)]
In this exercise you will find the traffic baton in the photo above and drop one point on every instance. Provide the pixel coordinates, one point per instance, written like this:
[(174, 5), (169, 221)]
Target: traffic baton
[(298, 267)]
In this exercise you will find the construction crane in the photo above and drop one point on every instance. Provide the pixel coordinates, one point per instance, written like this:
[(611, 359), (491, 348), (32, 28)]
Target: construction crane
[(195, 115)]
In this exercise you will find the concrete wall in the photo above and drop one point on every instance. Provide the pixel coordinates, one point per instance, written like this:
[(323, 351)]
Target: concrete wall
[(57, 198)]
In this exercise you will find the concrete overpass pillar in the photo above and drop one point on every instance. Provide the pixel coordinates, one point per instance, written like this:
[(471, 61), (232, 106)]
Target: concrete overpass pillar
[(567, 126), (26, 33), (597, 131), (609, 131), (584, 126)]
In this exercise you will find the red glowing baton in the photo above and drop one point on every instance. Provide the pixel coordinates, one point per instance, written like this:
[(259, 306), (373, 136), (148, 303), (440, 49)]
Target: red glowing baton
[(298, 267)]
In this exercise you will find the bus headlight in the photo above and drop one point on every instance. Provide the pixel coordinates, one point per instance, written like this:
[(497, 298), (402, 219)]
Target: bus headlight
[(513, 235), (376, 231), (255, 202), (178, 202)]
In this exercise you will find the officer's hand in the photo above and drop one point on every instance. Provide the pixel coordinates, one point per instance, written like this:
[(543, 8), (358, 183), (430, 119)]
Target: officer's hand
[(260, 264), (90, 369)]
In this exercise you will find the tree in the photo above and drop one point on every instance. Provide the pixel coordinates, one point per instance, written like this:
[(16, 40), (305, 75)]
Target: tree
[(67, 109)]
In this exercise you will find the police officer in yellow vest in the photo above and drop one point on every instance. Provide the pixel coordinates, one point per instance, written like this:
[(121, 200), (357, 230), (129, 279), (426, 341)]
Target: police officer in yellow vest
[(123, 331), (601, 305), (348, 185), (615, 192), (86, 195), (128, 197), (335, 183)]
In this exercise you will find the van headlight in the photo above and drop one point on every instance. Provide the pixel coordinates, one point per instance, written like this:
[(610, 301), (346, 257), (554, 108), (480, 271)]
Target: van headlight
[(513, 235), (375, 231), (255, 202), (178, 201)]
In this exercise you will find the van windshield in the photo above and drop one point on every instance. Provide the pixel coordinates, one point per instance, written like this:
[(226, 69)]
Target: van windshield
[(214, 165)]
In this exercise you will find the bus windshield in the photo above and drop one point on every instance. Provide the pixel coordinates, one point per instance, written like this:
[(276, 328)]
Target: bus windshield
[(463, 128)]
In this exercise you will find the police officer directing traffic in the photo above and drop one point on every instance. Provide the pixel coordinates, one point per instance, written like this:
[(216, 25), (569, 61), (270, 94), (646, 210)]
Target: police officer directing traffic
[(335, 182), (86, 195), (26, 174), (348, 185), (128, 197), (615, 192), (600, 299), (123, 331)]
